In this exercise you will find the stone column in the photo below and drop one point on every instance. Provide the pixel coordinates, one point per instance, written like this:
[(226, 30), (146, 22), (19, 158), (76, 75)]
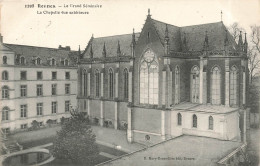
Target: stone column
[(238, 129), (129, 125), (244, 126), (88, 91), (169, 89), (244, 87), (201, 81), (116, 85), (130, 86), (163, 133), (226, 82), (101, 113), (102, 84), (163, 87), (88, 108), (205, 87), (116, 115)]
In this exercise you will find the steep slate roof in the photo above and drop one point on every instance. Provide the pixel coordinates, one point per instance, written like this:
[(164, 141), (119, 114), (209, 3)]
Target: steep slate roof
[(30, 52), (111, 43), (195, 36), (173, 32)]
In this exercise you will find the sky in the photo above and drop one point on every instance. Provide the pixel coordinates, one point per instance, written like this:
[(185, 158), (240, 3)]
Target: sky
[(20, 25)]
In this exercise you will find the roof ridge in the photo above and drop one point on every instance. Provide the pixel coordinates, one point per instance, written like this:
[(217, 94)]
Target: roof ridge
[(165, 23), (36, 47), (116, 35), (201, 24)]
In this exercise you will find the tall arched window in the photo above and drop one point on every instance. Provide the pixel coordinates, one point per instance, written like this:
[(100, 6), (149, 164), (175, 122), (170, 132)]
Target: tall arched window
[(22, 60), (194, 121), (5, 92), (179, 119), (111, 83), (4, 60), (125, 83), (215, 88), (233, 86), (5, 113), (177, 85), (211, 123), (84, 83), (149, 78), (38, 61), (195, 81), (97, 82), (4, 75)]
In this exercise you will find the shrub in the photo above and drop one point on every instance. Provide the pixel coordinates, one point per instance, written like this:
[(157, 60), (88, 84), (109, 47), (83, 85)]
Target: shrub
[(75, 141)]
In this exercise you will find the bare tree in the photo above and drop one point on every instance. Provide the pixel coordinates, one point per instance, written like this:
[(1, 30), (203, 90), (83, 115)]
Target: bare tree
[(254, 52), (234, 30)]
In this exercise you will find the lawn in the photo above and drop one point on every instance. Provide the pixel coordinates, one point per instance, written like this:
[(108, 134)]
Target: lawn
[(60, 162), (27, 145)]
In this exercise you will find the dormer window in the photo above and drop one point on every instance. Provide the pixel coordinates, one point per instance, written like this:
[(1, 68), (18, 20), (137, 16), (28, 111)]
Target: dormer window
[(53, 62), (38, 61), (22, 60), (4, 60), (66, 62)]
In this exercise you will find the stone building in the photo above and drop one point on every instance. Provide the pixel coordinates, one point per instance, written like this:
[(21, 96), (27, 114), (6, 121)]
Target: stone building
[(37, 83), (167, 81)]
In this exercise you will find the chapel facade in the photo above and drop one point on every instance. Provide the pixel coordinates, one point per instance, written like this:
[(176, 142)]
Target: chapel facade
[(167, 81)]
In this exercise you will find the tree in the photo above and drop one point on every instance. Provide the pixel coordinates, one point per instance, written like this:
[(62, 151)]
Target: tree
[(75, 141), (254, 52), (234, 30), (35, 125)]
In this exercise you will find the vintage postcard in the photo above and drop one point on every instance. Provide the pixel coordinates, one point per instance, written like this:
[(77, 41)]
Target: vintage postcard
[(129, 83)]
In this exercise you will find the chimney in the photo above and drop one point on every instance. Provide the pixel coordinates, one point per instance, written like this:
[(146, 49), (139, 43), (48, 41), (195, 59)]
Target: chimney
[(67, 48)]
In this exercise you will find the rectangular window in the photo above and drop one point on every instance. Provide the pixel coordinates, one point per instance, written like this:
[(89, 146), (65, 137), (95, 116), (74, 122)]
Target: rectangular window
[(54, 89), (5, 92), (39, 90), (67, 106), (54, 75), (23, 90), (67, 88), (39, 75), (39, 109), (54, 107), (24, 126), (23, 75), (23, 111), (67, 75)]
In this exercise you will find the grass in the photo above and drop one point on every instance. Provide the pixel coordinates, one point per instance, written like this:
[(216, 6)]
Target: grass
[(27, 145), (61, 162)]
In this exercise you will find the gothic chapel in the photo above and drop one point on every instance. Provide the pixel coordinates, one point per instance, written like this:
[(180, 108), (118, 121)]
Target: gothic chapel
[(167, 81)]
